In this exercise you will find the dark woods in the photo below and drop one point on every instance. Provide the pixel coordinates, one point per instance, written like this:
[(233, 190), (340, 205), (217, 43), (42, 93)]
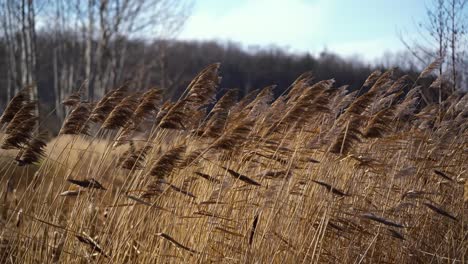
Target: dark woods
[(171, 65), (62, 48)]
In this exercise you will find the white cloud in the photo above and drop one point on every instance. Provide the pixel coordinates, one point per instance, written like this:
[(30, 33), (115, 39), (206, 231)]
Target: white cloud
[(293, 23), (300, 25), (369, 49)]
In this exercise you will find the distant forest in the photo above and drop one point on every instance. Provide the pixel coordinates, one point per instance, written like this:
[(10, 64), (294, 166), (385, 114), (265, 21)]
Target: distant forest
[(171, 65), (63, 46)]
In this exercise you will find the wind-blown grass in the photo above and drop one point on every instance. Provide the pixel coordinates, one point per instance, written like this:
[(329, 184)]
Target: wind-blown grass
[(318, 175)]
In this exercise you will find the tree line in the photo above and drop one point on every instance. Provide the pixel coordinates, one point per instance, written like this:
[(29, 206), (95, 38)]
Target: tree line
[(92, 46)]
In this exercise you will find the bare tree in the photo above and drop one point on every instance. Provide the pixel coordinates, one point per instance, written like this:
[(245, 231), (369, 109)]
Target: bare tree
[(457, 32), (89, 40), (441, 36), (122, 20), (19, 28), (10, 28)]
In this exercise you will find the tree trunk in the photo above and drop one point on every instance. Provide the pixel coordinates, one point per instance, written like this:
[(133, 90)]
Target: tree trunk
[(89, 52)]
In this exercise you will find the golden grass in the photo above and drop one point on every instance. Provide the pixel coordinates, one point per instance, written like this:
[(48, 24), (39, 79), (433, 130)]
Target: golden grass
[(303, 179)]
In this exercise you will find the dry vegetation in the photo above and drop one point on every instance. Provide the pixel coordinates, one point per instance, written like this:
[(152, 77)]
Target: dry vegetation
[(317, 175)]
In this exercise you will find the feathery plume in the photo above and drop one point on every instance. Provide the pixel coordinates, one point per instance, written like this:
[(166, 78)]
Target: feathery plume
[(200, 92), (227, 101), (360, 104), (14, 106), (349, 135), (235, 136), (72, 100), (260, 103), (148, 104), (298, 86), (135, 158), (437, 83), (431, 68), (26, 112), (107, 104), (379, 124), (20, 136), (247, 99), (215, 126), (382, 82), (305, 104), (122, 113), (373, 77), (167, 162), (161, 169), (33, 152), (398, 85), (93, 245), (77, 121)]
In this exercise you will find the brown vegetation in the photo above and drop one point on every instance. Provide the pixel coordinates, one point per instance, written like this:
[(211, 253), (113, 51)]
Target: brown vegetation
[(318, 175)]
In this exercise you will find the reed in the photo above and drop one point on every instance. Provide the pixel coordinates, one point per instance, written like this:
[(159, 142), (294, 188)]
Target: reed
[(319, 174)]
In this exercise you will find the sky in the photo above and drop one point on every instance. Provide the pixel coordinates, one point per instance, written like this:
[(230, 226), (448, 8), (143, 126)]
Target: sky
[(363, 28)]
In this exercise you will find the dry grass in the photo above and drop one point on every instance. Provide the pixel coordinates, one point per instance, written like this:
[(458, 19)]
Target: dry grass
[(316, 176)]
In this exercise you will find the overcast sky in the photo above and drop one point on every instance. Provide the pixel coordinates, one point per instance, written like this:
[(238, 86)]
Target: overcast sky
[(348, 27)]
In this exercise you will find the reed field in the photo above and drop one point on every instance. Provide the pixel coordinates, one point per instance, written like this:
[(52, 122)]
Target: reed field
[(316, 175)]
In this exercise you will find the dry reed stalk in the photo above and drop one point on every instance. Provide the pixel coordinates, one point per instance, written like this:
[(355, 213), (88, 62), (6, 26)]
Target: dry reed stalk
[(242, 177), (235, 220), (440, 211), (331, 188), (207, 177), (91, 243), (382, 220), (87, 183), (253, 229), (175, 243)]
